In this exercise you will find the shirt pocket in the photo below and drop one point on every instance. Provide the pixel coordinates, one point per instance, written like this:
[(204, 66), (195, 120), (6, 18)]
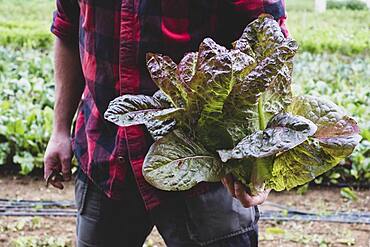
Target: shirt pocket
[(216, 215)]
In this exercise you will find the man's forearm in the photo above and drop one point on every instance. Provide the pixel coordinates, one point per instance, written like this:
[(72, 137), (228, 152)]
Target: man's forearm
[(69, 84)]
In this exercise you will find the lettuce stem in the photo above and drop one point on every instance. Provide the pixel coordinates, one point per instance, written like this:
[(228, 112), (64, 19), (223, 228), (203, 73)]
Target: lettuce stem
[(261, 114)]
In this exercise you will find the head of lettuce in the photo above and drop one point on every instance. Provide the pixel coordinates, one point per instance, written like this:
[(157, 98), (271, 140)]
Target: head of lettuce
[(223, 111)]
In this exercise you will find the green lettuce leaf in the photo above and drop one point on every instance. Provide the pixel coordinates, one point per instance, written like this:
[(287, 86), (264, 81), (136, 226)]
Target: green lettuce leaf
[(176, 162), (257, 151), (283, 132), (155, 112), (336, 137), (241, 106)]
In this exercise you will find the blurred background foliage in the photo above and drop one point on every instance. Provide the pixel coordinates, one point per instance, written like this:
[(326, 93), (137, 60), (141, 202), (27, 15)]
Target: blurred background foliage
[(333, 62)]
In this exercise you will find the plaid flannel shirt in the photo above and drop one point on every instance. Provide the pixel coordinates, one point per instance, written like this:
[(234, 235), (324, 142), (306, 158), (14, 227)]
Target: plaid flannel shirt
[(113, 38)]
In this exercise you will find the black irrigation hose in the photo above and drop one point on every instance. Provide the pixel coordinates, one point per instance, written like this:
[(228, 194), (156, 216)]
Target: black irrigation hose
[(296, 211), (30, 208), (33, 214), (335, 218), (30, 203), (361, 185)]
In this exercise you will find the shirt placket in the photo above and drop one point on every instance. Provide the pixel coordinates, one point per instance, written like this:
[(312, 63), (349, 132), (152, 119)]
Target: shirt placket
[(129, 38), (130, 84)]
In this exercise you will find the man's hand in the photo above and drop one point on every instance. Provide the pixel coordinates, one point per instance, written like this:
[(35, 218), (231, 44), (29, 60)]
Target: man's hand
[(237, 190), (57, 160)]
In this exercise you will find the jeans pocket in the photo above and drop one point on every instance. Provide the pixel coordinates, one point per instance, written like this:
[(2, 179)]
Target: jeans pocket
[(89, 204), (216, 215), (80, 194)]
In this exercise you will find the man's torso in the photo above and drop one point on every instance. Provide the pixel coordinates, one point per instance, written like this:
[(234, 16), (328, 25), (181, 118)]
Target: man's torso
[(114, 37)]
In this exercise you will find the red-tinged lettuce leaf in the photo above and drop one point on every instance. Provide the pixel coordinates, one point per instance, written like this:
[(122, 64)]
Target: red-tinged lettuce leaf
[(241, 106), (128, 110), (272, 90), (176, 163), (259, 79), (242, 64), (163, 72), (263, 35), (186, 68), (278, 95), (216, 71), (210, 84), (242, 44), (283, 132), (336, 137), (158, 129), (162, 99)]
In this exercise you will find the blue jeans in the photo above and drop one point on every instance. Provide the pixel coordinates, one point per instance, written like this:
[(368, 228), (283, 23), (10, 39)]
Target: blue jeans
[(213, 219)]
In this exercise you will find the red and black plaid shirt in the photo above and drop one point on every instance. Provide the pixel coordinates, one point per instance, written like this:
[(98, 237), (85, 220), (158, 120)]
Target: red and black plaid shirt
[(114, 36)]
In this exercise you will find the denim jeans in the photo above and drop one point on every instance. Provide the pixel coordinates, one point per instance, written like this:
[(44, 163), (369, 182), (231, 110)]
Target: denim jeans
[(213, 219)]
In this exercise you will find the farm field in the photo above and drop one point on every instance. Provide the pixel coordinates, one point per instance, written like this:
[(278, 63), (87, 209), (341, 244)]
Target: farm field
[(27, 24)]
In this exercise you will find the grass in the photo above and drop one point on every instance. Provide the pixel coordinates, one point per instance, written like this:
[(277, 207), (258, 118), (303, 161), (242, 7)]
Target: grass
[(342, 31), (27, 23), (300, 5)]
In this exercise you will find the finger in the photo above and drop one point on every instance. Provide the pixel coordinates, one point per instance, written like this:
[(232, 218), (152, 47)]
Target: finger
[(66, 168), (260, 198), (264, 196), (51, 165), (245, 199)]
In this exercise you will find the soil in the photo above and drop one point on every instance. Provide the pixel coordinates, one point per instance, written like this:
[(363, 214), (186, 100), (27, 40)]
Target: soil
[(58, 231)]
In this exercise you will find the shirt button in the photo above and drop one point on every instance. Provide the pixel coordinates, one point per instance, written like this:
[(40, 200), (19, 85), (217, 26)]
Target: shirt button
[(121, 159)]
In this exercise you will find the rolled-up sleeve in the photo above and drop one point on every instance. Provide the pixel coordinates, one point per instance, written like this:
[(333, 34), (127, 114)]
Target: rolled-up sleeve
[(66, 20), (276, 8)]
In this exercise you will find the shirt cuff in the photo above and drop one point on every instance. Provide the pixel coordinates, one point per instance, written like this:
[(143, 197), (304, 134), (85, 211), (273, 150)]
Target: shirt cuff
[(63, 29)]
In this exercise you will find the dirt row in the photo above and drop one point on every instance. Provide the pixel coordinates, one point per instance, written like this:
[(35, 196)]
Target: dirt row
[(52, 231)]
